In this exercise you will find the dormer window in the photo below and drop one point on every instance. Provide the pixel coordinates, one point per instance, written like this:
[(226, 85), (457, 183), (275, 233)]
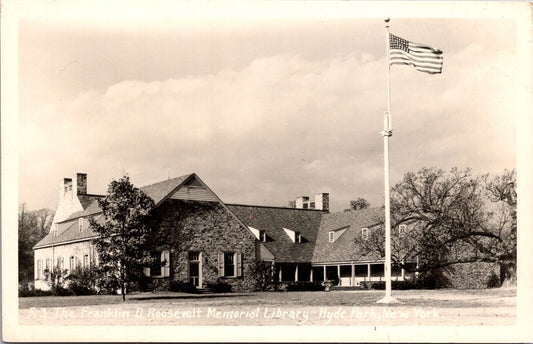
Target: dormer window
[(295, 236), (262, 236), (401, 230), (80, 223), (331, 236), (55, 229), (364, 233)]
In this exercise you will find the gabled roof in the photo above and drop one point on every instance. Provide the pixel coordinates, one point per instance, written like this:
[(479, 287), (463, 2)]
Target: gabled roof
[(158, 192), (161, 190), (345, 248), (272, 220)]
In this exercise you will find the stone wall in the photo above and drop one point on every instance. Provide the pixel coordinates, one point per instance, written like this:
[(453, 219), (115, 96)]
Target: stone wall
[(209, 228), (473, 276)]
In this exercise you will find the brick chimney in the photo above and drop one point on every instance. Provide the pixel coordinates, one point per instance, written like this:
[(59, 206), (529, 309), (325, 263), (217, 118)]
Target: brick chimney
[(322, 201), (302, 202), (81, 183)]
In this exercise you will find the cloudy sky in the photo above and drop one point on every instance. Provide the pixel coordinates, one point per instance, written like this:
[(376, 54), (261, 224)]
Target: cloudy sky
[(263, 110)]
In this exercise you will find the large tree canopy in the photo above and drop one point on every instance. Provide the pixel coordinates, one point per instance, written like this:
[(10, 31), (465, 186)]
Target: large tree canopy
[(32, 227), (125, 235), (359, 203), (444, 218)]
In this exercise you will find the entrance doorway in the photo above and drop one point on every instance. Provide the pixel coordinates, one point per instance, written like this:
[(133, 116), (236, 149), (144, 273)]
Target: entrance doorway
[(195, 269)]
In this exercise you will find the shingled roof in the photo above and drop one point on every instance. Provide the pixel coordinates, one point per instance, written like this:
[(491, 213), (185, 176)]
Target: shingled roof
[(345, 248), (272, 220), (68, 229), (87, 199)]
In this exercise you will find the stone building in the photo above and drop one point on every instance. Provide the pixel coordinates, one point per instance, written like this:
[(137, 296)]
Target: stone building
[(219, 241)]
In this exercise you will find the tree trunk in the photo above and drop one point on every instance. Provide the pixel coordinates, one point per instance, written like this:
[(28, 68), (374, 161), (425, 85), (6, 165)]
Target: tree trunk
[(508, 275), (122, 284)]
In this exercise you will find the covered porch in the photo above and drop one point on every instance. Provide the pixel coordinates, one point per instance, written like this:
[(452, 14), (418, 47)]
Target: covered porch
[(351, 274), (347, 274)]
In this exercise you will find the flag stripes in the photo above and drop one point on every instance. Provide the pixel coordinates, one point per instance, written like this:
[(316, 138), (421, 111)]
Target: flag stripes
[(420, 56)]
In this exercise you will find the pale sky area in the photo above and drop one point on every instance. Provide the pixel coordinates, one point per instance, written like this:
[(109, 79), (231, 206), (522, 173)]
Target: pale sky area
[(262, 110)]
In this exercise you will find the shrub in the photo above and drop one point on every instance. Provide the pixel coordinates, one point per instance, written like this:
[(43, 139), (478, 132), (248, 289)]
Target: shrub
[(26, 291), (55, 278), (219, 287), (262, 274), (183, 287), (305, 286), (83, 281)]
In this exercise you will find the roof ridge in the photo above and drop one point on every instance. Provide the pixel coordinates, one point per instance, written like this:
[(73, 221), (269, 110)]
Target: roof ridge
[(185, 176), (272, 206)]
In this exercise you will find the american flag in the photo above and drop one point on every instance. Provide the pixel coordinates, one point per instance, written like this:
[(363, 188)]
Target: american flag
[(422, 57)]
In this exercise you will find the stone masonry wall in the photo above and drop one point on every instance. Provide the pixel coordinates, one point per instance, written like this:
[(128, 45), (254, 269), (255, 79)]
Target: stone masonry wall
[(209, 228), (474, 276)]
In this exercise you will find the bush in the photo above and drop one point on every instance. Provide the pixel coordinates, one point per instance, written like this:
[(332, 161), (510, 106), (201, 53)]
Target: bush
[(26, 291), (305, 286), (55, 278), (262, 274), (415, 283), (219, 287), (183, 287), (83, 281)]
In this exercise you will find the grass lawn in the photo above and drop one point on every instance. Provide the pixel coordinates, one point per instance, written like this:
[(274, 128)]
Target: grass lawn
[(417, 307)]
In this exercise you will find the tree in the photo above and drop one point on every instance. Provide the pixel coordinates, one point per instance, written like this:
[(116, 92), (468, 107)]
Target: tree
[(359, 203), (125, 234), (32, 227), (450, 220), (501, 190)]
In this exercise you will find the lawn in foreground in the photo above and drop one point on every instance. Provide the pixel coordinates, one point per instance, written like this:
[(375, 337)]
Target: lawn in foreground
[(418, 307)]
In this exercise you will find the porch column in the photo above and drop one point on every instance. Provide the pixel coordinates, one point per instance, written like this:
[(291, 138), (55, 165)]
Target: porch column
[(369, 272), (353, 275), (339, 274), (311, 275), (403, 272), (296, 273), (280, 275), (325, 277)]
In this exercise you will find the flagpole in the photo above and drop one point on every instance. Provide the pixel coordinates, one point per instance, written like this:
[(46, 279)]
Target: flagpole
[(386, 133)]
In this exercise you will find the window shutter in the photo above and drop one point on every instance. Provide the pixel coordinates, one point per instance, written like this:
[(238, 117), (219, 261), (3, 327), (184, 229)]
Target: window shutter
[(220, 264), (238, 264), (146, 270), (165, 256)]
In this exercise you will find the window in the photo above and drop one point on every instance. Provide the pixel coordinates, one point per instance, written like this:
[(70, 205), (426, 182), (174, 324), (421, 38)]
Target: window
[(39, 269), (160, 266), (86, 261), (229, 264), (297, 237), (80, 223), (60, 263), (331, 236), (155, 268), (47, 266), (262, 236), (364, 233), (401, 230), (55, 229), (72, 263)]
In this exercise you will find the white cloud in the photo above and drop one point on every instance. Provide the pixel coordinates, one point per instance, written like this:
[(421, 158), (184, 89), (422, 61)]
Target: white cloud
[(282, 126)]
